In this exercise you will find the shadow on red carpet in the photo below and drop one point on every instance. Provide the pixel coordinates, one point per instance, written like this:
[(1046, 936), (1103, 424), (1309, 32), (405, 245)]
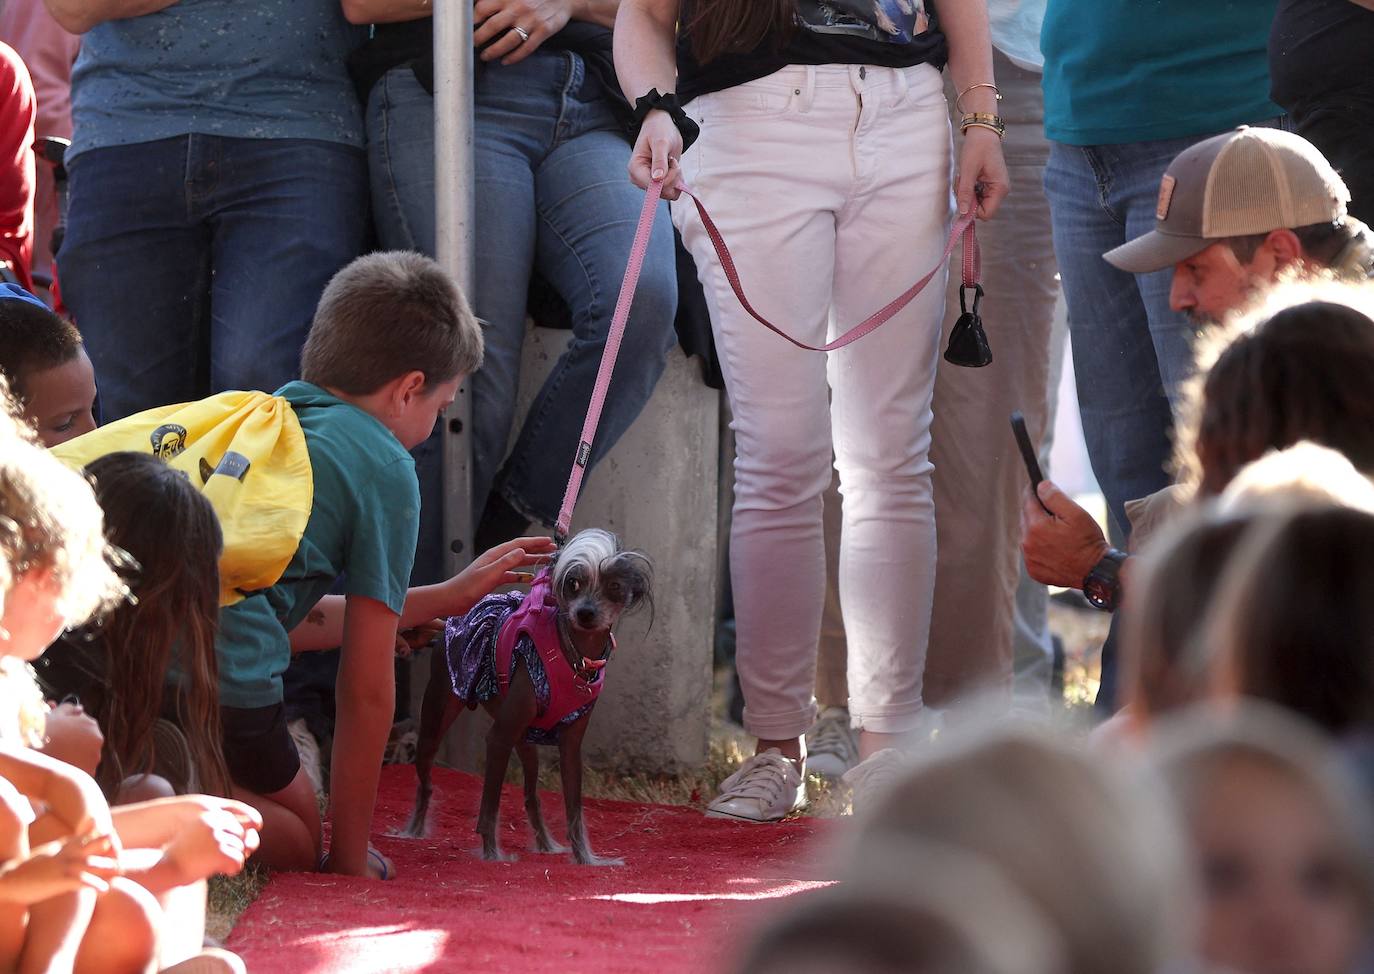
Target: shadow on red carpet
[(690, 889)]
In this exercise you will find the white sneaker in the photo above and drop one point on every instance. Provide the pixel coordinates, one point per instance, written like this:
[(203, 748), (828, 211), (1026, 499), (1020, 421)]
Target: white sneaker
[(831, 748), (765, 789), (871, 779)]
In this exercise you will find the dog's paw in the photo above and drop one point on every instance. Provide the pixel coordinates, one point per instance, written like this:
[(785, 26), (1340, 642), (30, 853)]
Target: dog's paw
[(496, 855), (548, 846), (594, 860)]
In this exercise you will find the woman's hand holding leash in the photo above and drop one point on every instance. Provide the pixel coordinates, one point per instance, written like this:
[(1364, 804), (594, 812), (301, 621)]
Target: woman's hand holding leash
[(657, 154), (982, 173)]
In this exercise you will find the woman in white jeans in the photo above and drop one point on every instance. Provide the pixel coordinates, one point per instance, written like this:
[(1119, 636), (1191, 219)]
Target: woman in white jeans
[(825, 159)]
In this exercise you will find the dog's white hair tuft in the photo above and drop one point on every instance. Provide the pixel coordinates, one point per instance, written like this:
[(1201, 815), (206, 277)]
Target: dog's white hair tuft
[(588, 548)]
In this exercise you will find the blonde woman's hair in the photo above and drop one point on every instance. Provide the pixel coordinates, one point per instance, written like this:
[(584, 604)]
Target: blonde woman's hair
[(1165, 659), (904, 908), (1290, 624), (1190, 750), (1303, 475), (1100, 858)]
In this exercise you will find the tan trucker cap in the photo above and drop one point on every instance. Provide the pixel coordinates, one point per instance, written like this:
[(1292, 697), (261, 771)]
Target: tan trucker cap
[(1249, 181)]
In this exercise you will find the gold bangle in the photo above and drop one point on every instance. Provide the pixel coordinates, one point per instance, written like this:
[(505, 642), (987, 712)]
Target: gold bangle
[(982, 125), (981, 84), (983, 120)]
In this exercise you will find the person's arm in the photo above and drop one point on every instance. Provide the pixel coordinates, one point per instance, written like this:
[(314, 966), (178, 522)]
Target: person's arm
[(323, 627), (156, 822), (645, 58), (178, 841), (79, 16), (965, 26), (71, 796), (366, 701)]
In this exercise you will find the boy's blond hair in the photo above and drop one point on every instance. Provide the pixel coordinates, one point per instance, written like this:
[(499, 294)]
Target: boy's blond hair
[(385, 315)]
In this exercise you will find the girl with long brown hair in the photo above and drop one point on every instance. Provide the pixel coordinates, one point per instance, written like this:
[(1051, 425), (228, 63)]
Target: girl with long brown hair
[(825, 159), (154, 656)]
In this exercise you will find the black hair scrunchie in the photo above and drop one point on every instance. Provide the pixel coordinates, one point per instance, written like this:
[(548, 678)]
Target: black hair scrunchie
[(688, 129)]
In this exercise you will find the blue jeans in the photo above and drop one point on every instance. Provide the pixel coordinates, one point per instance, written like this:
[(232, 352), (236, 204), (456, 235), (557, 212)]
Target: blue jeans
[(1131, 354), (552, 196), (193, 265)]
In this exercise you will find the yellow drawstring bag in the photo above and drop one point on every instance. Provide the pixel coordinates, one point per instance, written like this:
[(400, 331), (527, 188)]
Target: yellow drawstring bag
[(246, 452)]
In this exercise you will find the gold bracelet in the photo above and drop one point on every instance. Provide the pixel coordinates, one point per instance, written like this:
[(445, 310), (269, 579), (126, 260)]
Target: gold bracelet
[(981, 84), (983, 120)]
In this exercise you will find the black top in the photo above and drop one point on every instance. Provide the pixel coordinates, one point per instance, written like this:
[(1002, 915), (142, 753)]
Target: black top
[(1319, 47), (412, 43), (884, 33)]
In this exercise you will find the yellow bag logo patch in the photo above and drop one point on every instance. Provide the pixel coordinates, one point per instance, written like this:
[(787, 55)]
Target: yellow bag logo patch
[(246, 452)]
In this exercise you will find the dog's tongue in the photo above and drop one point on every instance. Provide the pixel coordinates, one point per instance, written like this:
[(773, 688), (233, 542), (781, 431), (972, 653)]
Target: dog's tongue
[(593, 664)]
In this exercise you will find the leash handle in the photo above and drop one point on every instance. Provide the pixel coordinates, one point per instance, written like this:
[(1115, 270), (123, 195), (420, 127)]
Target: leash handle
[(963, 228)]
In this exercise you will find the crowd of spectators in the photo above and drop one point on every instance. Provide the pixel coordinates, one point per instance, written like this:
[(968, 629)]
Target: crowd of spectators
[(219, 209)]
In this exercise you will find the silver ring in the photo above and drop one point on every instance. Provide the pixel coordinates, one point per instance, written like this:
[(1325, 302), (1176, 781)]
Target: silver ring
[(524, 34)]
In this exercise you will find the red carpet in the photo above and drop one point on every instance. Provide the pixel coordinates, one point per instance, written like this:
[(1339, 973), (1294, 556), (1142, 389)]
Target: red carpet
[(690, 888)]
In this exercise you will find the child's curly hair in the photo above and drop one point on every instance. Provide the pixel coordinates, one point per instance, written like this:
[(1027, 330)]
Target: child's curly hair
[(1296, 367), (50, 521)]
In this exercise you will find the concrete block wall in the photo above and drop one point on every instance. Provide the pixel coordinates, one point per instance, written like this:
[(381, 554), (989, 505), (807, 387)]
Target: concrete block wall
[(658, 490)]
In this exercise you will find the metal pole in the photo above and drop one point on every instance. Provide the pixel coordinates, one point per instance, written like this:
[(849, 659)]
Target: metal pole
[(454, 213)]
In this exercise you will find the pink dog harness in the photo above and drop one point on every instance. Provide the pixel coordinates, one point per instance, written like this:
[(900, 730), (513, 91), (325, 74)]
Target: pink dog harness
[(537, 618)]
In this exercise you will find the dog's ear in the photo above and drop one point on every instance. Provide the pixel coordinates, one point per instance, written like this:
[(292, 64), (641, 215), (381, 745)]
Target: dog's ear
[(638, 572)]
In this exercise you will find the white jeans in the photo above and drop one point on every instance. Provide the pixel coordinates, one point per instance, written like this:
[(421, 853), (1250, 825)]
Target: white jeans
[(831, 185)]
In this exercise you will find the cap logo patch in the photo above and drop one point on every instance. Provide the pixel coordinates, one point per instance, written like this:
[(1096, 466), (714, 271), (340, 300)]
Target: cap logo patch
[(1166, 196)]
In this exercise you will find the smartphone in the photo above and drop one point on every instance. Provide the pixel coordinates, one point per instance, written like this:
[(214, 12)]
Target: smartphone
[(1023, 442)]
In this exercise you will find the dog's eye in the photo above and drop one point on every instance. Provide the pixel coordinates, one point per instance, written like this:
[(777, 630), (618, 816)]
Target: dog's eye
[(574, 585), (615, 592)]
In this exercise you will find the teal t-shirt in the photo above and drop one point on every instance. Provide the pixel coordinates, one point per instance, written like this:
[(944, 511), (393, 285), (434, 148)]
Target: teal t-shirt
[(1140, 70), (247, 69), (363, 525)]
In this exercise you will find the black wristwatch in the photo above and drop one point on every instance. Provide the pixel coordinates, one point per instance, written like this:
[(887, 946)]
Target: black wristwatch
[(1102, 587)]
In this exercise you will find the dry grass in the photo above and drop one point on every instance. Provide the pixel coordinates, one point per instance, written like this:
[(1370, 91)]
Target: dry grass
[(229, 897)]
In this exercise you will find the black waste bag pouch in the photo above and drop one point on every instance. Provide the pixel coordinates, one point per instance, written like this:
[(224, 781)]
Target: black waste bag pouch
[(968, 342)]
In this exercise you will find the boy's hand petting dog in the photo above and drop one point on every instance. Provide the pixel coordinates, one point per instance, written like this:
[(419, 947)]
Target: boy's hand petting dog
[(63, 866), (495, 568)]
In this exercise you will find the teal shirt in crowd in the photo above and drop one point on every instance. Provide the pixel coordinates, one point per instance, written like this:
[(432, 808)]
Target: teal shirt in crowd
[(363, 525), (1121, 71), (250, 69)]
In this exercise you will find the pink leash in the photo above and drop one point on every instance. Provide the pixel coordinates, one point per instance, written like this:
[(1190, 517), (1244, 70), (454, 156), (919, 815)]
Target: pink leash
[(972, 270)]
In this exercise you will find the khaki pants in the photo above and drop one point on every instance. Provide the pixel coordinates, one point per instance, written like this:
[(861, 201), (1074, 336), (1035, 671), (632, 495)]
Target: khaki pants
[(979, 477)]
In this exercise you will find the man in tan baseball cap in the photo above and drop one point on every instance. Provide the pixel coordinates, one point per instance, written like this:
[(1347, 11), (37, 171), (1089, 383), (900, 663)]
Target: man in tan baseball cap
[(1236, 210)]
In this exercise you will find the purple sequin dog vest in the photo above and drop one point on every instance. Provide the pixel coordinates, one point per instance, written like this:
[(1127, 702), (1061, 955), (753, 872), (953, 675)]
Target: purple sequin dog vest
[(537, 617)]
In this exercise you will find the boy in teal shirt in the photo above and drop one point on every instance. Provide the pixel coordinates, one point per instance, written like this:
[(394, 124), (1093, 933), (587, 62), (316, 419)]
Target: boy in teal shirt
[(391, 340)]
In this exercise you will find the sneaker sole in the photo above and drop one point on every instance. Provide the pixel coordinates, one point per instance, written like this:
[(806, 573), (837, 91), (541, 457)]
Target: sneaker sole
[(712, 813)]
